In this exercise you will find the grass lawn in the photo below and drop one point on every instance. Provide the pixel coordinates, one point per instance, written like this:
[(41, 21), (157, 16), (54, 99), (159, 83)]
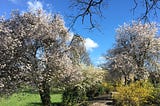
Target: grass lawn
[(28, 99)]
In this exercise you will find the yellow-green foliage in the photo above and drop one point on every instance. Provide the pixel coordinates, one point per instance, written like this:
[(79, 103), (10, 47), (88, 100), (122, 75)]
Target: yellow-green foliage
[(108, 87), (134, 94), (155, 98), (92, 76)]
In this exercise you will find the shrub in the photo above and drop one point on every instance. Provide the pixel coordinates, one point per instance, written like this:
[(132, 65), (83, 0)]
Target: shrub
[(155, 98), (99, 89), (92, 92), (90, 86), (108, 87), (74, 95), (135, 94)]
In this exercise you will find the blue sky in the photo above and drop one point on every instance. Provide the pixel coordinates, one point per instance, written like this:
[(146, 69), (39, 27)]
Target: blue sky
[(97, 42)]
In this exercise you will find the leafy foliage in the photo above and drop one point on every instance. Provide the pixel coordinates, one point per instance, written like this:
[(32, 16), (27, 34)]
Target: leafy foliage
[(89, 87), (74, 95), (155, 98), (134, 94)]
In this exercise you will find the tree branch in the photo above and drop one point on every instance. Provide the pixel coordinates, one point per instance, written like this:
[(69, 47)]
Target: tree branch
[(87, 8)]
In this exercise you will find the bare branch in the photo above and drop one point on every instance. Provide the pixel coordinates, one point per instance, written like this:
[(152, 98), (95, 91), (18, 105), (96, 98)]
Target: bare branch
[(88, 8), (151, 7)]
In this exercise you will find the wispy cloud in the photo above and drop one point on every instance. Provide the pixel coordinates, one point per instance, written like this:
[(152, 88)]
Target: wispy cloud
[(90, 44), (100, 60), (35, 5), (71, 34), (13, 1)]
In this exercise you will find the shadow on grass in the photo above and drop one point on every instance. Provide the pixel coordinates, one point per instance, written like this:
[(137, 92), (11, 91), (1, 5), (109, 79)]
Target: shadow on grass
[(40, 104), (36, 92), (30, 92)]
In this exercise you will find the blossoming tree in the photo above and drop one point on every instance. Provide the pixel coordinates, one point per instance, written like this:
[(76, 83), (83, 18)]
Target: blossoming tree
[(136, 51), (35, 50)]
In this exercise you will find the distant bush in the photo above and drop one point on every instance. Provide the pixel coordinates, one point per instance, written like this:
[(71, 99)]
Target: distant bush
[(99, 89), (108, 87), (135, 94), (92, 82)]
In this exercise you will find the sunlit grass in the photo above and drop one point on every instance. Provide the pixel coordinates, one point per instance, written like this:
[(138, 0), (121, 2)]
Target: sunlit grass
[(27, 99)]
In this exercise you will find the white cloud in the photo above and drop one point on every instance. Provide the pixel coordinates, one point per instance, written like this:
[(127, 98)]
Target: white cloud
[(35, 5), (90, 44)]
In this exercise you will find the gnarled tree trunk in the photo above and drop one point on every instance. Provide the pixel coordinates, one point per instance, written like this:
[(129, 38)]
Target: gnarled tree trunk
[(44, 91)]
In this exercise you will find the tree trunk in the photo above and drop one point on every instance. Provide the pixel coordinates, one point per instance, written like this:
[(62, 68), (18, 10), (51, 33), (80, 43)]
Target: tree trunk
[(125, 80), (44, 91)]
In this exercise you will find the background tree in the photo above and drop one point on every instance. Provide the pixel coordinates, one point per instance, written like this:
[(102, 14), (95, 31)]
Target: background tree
[(79, 50), (85, 59), (136, 51), (34, 50)]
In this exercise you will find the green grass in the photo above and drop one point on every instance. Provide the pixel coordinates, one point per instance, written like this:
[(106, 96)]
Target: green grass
[(27, 99)]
